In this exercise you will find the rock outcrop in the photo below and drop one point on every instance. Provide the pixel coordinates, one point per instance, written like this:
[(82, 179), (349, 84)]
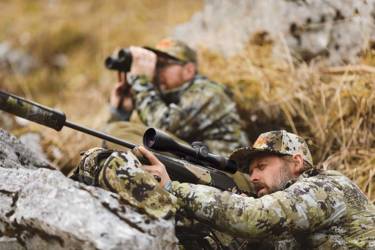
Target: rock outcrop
[(40, 208), (335, 30)]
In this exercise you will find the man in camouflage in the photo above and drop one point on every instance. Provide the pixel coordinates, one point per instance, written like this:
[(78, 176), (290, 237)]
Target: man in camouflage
[(123, 173), (168, 93), (297, 205)]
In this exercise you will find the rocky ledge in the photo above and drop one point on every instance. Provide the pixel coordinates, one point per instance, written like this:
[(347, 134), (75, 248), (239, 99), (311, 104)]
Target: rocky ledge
[(40, 208)]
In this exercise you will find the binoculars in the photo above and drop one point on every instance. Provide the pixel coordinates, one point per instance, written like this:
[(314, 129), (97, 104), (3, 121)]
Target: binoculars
[(122, 62)]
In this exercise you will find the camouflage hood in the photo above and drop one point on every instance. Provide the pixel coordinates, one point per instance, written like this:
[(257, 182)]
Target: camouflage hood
[(278, 142)]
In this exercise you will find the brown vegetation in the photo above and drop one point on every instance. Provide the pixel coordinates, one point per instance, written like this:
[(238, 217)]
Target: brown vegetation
[(332, 107)]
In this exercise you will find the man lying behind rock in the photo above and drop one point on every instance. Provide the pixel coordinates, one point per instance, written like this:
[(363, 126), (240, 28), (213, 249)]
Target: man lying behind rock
[(297, 205)]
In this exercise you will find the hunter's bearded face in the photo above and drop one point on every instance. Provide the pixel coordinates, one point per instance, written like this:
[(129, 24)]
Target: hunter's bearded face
[(269, 174), (173, 75)]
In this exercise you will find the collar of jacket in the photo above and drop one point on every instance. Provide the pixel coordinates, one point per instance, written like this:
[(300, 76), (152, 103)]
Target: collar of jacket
[(306, 174), (173, 95)]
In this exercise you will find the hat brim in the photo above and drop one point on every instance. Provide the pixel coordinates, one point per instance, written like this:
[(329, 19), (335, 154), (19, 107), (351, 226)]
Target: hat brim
[(162, 53), (244, 156)]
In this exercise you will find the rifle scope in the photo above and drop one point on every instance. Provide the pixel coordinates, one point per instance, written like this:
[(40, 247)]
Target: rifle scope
[(158, 140)]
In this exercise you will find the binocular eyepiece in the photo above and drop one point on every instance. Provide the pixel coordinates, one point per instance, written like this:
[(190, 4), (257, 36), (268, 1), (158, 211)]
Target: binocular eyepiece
[(121, 62)]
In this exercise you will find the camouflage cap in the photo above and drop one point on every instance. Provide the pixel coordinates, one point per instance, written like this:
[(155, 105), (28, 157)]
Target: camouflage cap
[(278, 142), (174, 49)]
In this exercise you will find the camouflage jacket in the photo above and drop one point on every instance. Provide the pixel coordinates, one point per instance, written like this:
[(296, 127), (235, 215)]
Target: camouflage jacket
[(200, 110), (324, 210), (120, 172)]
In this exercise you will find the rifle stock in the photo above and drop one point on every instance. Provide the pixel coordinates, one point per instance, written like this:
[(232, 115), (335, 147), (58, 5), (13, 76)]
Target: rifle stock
[(178, 169)]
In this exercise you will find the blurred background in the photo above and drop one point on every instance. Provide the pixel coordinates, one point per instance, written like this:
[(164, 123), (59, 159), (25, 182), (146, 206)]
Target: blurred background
[(53, 52)]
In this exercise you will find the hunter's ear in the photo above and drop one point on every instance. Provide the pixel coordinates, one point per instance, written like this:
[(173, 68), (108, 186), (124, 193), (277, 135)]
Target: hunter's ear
[(297, 167), (190, 70)]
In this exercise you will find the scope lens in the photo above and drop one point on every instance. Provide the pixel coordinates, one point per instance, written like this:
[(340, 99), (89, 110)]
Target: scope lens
[(149, 137)]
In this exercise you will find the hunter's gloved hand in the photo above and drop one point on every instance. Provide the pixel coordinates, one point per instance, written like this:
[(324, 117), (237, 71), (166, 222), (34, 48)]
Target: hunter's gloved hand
[(144, 62), (156, 168)]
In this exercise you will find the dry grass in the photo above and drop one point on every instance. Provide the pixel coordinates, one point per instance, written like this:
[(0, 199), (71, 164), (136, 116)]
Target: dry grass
[(332, 107), (85, 33)]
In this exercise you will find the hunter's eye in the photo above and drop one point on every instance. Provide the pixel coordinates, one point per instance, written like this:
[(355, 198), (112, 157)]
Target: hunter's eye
[(262, 166)]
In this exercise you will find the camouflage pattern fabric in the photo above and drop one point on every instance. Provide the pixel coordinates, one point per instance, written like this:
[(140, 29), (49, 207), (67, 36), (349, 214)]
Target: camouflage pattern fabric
[(200, 110), (175, 49), (120, 172), (320, 210)]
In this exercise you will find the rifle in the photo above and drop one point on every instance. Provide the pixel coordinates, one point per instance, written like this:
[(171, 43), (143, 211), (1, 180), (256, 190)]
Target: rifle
[(197, 165)]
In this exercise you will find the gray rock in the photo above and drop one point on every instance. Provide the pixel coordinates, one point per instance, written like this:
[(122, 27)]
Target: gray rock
[(32, 141), (7, 243), (14, 154), (42, 209), (335, 30)]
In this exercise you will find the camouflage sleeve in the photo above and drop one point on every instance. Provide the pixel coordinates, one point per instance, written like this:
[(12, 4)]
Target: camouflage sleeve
[(180, 119), (149, 104), (121, 173), (304, 206)]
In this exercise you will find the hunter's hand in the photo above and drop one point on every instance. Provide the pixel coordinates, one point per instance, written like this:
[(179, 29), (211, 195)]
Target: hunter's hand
[(144, 62), (156, 168)]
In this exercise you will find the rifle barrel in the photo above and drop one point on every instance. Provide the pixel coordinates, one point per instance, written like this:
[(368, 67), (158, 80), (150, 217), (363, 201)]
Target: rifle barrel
[(99, 134), (56, 120)]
